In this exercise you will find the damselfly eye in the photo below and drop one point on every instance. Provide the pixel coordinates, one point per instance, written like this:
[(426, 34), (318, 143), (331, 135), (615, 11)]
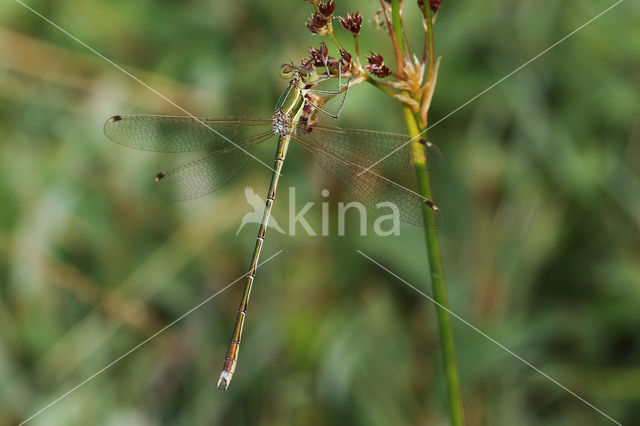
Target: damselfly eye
[(286, 70)]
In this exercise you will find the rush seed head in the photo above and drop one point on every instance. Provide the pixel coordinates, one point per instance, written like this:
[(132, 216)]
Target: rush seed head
[(376, 65), (318, 24), (352, 22), (324, 51), (326, 9), (345, 57), (315, 57), (320, 57)]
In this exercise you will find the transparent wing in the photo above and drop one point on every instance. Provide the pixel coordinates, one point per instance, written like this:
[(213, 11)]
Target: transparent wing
[(374, 190), (206, 174), (366, 147), (164, 133)]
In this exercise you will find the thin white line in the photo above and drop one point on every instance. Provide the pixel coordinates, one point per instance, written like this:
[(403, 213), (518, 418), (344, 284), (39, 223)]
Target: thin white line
[(146, 85), (88, 379), (467, 323), (497, 83)]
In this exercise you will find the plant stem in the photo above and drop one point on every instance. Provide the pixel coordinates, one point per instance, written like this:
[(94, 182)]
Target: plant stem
[(395, 32), (397, 23), (357, 49), (437, 275), (430, 39), (335, 40)]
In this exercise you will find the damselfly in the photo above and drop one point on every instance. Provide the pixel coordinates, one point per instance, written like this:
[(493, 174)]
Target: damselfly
[(228, 143)]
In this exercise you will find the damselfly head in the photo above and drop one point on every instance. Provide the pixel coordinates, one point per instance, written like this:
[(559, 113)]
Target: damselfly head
[(287, 70), (305, 72)]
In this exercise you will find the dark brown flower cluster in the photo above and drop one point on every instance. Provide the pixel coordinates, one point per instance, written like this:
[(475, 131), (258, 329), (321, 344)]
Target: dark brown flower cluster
[(320, 58), (412, 80), (352, 22), (318, 22), (345, 58), (327, 9), (376, 65)]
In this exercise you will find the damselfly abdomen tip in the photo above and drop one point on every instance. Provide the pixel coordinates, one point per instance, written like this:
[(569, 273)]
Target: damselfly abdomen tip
[(224, 381)]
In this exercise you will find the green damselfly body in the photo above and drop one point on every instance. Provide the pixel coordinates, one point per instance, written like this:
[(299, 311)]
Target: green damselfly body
[(228, 142)]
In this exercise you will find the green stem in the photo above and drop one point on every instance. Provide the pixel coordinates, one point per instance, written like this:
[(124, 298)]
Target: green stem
[(430, 37), (335, 41), (397, 23), (437, 276)]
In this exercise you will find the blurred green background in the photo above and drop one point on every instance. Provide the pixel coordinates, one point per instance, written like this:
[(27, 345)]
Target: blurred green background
[(540, 189)]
